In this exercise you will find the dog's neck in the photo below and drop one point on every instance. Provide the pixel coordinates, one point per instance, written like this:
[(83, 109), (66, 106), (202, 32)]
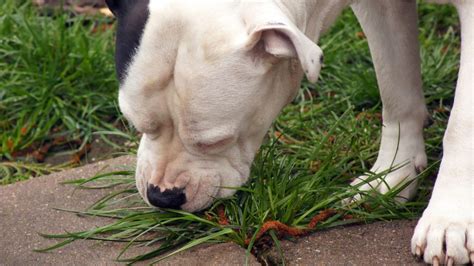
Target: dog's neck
[(312, 17)]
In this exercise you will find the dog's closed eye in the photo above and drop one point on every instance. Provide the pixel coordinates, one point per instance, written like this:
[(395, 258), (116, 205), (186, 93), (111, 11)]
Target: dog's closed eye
[(214, 145)]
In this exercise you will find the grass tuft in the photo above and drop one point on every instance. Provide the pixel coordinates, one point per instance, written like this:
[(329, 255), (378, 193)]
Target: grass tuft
[(57, 78), (280, 189)]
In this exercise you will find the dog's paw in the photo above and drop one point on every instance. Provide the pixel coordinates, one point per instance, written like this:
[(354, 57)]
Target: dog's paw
[(445, 232), (442, 237), (386, 182), (388, 176), (401, 157)]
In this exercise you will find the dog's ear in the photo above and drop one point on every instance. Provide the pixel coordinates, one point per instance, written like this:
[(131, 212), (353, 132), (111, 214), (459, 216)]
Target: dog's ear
[(279, 37), (283, 41)]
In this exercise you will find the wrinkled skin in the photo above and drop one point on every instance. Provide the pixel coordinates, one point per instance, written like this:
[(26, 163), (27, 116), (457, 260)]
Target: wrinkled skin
[(204, 98)]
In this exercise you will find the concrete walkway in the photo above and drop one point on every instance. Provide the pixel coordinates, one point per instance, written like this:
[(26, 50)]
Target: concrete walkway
[(381, 243), (26, 208)]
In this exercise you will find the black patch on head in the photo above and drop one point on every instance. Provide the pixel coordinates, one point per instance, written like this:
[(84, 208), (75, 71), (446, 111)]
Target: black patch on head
[(132, 16)]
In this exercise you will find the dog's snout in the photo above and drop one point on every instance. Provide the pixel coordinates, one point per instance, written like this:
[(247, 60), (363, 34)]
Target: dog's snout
[(169, 198)]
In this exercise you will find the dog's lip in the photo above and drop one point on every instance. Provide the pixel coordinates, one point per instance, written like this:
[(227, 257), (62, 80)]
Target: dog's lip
[(215, 192), (191, 197), (204, 205)]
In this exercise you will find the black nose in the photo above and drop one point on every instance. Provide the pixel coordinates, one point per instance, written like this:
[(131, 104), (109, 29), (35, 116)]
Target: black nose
[(169, 198)]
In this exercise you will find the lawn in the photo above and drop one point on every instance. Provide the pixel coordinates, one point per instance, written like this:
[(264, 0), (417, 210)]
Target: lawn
[(57, 84), (57, 87)]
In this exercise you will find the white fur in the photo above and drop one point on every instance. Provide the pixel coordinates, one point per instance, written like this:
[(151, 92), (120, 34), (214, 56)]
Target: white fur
[(208, 79), (449, 218), (396, 58), (204, 91)]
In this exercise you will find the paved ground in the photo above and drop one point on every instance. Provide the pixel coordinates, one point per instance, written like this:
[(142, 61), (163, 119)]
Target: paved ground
[(26, 208), (381, 243)]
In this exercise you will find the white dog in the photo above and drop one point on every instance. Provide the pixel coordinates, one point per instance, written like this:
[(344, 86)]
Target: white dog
[(203, 81)]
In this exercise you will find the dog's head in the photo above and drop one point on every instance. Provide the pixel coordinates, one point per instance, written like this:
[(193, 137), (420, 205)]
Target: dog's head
[(203, 81)]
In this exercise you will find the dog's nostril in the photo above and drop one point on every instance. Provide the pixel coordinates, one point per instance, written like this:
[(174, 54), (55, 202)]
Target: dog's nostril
[(321, 59), (169, 198)]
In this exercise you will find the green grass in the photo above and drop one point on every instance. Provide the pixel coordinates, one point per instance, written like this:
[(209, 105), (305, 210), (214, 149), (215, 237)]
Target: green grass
[(55, 73), (57, 79)]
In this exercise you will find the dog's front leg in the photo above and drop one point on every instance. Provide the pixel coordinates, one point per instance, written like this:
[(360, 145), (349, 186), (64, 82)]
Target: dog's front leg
[(445, 232), (392, 33)]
